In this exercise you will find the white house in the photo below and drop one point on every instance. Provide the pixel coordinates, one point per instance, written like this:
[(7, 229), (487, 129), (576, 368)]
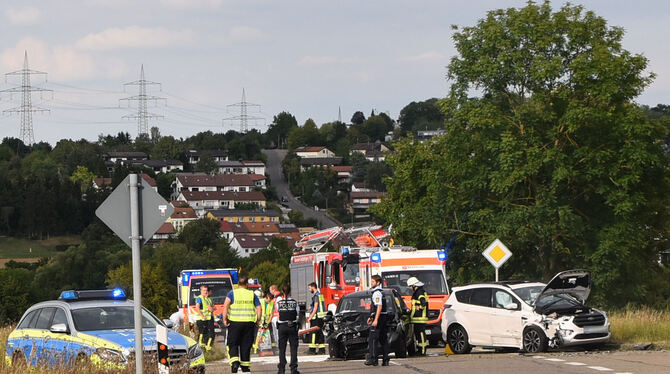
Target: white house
[(201, 201), (246, 245), (314, 152)]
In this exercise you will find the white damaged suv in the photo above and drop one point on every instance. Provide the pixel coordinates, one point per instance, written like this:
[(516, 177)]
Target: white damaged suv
[(524, 315)]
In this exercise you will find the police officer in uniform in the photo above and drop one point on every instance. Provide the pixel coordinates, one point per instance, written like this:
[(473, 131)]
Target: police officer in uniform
[(419, 316), (316, 319), (205, 318), (241, 313), (378, 322), (287, 328)]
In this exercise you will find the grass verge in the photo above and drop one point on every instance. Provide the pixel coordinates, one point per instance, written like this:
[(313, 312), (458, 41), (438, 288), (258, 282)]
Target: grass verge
[(17, 248), (641, 326)]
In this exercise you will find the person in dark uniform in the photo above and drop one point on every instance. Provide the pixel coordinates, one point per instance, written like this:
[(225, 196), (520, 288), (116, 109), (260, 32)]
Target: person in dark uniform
[(241, 313), (378, 325), (419, 316), (316, 319), (287, 329)]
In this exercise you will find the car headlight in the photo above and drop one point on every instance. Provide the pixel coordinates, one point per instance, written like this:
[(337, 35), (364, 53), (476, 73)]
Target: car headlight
[(110, 354), (565, 333), (194, 351)]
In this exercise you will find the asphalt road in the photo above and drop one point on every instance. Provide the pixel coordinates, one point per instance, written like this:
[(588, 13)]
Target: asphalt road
[(273, 168), (620, 362)]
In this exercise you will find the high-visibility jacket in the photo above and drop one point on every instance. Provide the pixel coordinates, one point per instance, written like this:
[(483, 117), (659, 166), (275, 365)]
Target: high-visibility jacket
[(320, 304), (268, 308), (419, 306), (206, 302), (242, 309)]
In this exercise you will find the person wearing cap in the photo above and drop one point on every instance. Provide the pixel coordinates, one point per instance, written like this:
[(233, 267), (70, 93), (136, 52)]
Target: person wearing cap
[(419, 315)]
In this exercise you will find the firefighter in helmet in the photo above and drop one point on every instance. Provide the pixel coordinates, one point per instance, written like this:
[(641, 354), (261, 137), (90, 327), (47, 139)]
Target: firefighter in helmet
[(419, 316)]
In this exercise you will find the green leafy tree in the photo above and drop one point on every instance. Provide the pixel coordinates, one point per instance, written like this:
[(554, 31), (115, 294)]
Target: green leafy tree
[(166, 148), (279, 129), (164, 184), (83, 177), (200, 234), (553, 157), (269, 273), (421, 115), (158, 295), (207, 164)]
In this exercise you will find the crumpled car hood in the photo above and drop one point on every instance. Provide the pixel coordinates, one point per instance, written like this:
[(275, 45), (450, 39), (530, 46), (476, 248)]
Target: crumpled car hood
[(353, 321), (576, 283)]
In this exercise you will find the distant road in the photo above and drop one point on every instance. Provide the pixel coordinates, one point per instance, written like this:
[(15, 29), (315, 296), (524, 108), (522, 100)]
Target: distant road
[(275, 158)]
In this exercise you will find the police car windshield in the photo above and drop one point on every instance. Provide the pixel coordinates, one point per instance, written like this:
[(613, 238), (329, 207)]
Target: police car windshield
[(218, 286), (433, 281), (110, 318)]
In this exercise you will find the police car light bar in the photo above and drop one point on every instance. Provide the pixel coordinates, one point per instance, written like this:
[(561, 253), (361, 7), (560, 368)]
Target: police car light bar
[(72, 295)]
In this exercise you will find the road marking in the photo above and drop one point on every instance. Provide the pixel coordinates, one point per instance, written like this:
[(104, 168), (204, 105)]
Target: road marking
[(599, 368), (575, 363), (275, 359), (554, 359), (540, 357)]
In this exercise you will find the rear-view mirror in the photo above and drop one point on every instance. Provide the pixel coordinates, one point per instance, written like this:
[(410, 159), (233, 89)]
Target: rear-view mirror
[(512, 306), (168, 323)]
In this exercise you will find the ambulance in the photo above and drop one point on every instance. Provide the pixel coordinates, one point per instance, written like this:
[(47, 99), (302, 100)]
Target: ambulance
[(220, 281), (396, 264)]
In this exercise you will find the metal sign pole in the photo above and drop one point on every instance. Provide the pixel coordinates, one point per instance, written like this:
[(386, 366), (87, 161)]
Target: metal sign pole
[(137, 284), (496, 274)]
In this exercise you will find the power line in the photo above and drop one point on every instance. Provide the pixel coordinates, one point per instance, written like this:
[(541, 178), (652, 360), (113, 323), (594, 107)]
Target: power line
[(244, 118), (142, 115), (26, 109)]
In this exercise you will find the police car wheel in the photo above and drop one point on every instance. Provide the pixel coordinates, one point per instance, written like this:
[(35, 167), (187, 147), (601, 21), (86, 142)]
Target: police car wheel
[(19, 360)]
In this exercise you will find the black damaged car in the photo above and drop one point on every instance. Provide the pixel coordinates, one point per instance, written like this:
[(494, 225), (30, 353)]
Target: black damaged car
[(348, 330)]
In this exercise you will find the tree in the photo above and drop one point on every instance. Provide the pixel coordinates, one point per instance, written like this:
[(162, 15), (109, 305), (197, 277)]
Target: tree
[(82, 176), (269, 273), (358, 118), (279, 129), (553, 157), (200, 234), (157, 296), (207, 164), (166, 148), (422, 115)]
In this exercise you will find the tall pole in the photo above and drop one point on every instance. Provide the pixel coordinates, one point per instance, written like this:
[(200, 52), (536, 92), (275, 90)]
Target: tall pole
[(142, 114), (496, 274), (137, 284)]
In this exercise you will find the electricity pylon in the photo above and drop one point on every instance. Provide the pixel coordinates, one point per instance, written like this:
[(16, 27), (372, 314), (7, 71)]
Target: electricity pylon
[(142, 114), (26, 109), (244, 117)]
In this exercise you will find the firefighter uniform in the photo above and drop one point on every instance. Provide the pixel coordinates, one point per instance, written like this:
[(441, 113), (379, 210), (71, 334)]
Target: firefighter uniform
[(379, 333), (317, 340), (419, 315), (242, 317), (287, 327), (205, 322)]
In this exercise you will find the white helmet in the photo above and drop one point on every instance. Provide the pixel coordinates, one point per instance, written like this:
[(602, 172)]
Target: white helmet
[(258, 293), (413, 281)]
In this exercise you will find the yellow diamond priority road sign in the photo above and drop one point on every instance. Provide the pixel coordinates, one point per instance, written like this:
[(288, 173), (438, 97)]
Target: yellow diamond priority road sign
[(497, 253)]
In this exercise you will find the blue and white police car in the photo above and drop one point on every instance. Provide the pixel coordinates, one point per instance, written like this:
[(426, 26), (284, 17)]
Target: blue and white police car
[(96, 327)]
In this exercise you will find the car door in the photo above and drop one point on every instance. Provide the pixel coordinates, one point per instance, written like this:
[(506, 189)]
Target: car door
[(478, 316), (44, 352), (505, 319), (24, 342), (59, 341)]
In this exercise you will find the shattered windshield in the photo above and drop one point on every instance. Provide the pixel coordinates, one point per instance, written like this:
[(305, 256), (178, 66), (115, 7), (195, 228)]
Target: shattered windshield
[(529, 294)]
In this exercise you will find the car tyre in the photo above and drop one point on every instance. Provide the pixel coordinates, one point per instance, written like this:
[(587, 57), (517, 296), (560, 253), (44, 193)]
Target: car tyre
[(335, 351), (534, 340), (401, 347), (458, 340)]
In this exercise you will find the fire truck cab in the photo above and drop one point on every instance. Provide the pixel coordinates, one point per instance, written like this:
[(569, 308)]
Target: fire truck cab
[(220, 281), (333, 278)]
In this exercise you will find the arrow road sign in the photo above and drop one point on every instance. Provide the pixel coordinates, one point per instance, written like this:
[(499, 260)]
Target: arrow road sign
[(115, 211)]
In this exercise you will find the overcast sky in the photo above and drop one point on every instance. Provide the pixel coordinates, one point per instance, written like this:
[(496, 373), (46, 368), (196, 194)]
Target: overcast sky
[(307, 57)]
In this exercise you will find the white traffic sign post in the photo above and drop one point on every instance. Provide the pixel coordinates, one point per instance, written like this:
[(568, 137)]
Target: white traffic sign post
[(135, 199), (162, 350), (497, 253)]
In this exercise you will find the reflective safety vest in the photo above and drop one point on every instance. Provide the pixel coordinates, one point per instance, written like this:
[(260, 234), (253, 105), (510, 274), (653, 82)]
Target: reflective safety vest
[(242, 309), (268, 307), (205, 302), (419, 307), (320, 305)]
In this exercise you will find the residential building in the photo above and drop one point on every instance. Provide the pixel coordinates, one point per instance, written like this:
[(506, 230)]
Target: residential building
[(343, 173), (254, 167), (226, 231), (123, 157), (360, 202), (194, 156), (290, 237), (372, 151), (201, 201), (242, 167), (423, 135), (246, 245), (181, 217), (219, 182), (165, 232), (306, 163), (285, 228), (101, 183), (161, 166), (240, 215), (314, 152), (359, 187)]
